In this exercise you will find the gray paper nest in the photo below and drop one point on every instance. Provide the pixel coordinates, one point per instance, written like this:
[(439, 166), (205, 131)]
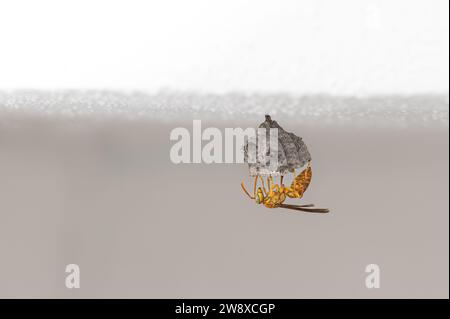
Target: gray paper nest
[(292, 152)]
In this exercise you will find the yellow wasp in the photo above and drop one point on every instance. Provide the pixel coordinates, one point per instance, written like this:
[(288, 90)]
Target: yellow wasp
[(275, 195)]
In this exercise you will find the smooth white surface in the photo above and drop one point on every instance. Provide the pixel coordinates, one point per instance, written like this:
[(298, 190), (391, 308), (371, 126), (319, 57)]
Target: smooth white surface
[(349, 47)]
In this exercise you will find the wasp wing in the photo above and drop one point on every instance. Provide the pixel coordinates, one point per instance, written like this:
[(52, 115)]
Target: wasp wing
[(304, 208)]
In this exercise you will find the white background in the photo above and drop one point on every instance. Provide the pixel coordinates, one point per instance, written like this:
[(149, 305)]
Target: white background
[(338, 47)]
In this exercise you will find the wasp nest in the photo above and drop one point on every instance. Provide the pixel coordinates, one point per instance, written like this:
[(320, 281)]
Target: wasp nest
[(292, 152)]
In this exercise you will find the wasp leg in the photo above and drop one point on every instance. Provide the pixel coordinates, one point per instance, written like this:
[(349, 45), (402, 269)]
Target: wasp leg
[(245, 191), (263, 186), (272, 186), (254, 186)]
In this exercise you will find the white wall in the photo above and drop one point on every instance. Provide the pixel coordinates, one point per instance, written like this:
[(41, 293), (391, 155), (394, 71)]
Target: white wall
[(338, 47)]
